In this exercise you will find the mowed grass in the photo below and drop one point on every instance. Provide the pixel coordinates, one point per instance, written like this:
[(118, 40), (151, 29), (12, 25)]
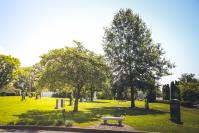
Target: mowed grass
[(43, 112)]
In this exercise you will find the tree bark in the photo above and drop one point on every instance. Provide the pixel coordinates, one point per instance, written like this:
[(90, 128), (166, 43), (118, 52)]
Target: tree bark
[(132, 97), (92, 93), (76, 105), (77, 96), (146, 102), (23, 96), (30, 88), (71, 99)]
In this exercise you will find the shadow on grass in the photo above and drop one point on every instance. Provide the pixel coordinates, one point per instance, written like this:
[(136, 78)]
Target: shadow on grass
[(44, 118), (96, 102), (118, 111)]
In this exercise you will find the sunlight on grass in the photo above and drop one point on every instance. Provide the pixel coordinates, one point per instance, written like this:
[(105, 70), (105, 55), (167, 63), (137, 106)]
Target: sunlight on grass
[(43, 112)]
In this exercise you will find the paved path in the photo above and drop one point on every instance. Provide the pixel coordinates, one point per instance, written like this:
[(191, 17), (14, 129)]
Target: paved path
[(31, 131)]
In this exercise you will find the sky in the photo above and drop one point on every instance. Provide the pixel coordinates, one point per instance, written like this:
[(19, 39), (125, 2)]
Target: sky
[(30, 28)]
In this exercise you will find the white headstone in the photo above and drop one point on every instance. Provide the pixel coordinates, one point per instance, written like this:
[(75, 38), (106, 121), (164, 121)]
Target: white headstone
[(95, 96)]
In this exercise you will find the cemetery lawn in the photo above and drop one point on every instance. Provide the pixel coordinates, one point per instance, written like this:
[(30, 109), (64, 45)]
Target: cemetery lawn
[(42, 112)]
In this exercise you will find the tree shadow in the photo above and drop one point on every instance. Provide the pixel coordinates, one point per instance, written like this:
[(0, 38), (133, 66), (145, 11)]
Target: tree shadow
[(118, 111), (44, 118), (96, 102)]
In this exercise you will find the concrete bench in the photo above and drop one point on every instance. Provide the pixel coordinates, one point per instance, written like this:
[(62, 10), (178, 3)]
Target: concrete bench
[(119, 119)]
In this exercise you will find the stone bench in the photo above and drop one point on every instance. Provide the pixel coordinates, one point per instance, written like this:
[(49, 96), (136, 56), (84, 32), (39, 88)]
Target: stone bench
[(119, 119)]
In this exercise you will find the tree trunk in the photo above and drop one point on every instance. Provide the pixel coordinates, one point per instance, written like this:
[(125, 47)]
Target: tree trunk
[(77, 96), (146, 102), (76, 105), (71, 99), (132, 97), (92, 93), (23, 96), (30, 89)]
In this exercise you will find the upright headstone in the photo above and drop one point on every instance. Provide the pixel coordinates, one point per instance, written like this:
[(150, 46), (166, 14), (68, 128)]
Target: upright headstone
[(62, 103), (58, 104), (94, 96), (175, 111)]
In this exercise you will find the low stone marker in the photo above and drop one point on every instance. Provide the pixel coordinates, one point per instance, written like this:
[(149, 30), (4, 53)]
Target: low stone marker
[(175, 111), (60, 103)]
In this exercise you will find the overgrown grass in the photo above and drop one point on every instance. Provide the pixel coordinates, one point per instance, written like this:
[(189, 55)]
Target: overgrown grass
[(43, 112)]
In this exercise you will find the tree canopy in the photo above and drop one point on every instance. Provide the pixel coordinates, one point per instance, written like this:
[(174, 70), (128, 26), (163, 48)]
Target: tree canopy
[(8, 69), (74, 66), (132, 53), (189, 88)]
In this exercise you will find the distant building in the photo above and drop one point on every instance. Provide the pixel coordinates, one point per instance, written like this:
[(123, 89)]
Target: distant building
[(47, 94)]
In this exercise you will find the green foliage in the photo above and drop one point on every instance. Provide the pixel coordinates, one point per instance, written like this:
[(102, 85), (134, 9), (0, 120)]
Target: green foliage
[(7, 93), (158, 92), (166, 92), (175, 91), (131, 52), (8, 69), (187, 104), (189, 88), (68, 123), (72, 69), (151, 95)]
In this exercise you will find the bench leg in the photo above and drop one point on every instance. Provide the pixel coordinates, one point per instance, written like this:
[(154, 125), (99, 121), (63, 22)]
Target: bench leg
[(120, 123), (105, 122)]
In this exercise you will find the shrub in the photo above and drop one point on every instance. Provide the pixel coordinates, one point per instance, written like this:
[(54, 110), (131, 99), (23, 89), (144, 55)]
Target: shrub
[(187, 104), (58, 122), (162, 101), (68, 123), (7, 94)]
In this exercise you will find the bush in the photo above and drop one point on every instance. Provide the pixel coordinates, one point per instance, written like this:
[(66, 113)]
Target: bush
[(162, 101), (60, 95), (58, 122), (69, 123), (7, 94), (187, 104)]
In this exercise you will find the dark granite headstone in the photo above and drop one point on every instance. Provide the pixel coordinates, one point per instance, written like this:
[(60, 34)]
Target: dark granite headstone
[(175, 111)]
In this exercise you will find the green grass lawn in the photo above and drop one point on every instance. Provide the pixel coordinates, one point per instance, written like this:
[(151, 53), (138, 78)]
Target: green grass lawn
[(42, 112)]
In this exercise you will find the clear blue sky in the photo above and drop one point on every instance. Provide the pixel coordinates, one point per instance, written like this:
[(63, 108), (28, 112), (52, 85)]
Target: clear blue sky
[(29, 28)]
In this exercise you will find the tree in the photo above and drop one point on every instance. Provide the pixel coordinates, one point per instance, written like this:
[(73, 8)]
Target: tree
[(189, 89), (187, 78), (8, 69), (99, 76), (166, 92), (175, 92), (70, 66), (132, 53), (21, 82)]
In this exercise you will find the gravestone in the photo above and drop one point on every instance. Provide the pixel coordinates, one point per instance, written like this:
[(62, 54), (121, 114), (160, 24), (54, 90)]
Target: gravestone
[(58, 103), (175, 111), (62, 103), (95, 96)]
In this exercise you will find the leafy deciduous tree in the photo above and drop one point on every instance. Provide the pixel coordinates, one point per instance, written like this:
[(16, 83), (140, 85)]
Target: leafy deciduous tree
[(132, 53), (71, 66), (8, 69)]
